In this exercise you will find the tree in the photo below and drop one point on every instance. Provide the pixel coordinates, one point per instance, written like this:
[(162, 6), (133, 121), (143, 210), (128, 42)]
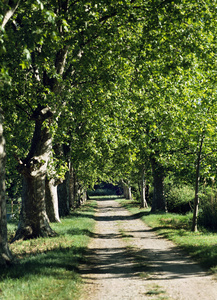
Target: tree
[(5, 254), (168, 54), (56, 41), (104, 80), (6, 13)]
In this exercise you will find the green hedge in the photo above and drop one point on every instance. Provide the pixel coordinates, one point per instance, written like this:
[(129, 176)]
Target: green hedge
[(180, 199), (208, 208)]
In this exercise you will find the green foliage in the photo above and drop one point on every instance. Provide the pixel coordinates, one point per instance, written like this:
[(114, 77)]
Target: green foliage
[(180, 199), (208, 208), (138, 83), (105, 189), (101, 192)]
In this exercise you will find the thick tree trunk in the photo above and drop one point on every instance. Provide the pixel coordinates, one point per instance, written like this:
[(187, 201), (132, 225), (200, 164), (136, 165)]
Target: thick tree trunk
[(144, 203), (51, 200), (5, 254), (70, 195), (81, 196), (76, 193), (158, 201), (33, 218), (127, 192)]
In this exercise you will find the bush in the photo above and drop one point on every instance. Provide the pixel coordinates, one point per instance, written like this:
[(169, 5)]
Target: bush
[(180, 199), (208, 209), (102, 192)]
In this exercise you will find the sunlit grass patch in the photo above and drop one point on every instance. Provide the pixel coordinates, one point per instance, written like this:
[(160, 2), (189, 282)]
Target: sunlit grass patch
[(47, 268)]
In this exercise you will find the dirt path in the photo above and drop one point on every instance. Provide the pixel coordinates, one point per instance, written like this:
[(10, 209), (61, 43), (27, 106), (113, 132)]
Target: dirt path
[(127, 260)]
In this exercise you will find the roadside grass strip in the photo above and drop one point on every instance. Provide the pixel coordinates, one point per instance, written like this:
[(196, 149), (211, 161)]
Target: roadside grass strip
[(47, 268)]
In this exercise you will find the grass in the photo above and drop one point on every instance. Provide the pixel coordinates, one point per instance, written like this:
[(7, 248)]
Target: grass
[(156, 290), (47, 268), (201, 245)]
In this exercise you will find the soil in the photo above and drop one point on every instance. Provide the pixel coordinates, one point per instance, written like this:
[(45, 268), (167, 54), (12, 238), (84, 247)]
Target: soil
[(127, 260)]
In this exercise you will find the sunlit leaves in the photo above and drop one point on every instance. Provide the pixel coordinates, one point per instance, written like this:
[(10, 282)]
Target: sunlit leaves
[(139, 77)]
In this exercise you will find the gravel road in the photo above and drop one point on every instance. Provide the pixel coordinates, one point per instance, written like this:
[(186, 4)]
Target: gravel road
[(127, 260)]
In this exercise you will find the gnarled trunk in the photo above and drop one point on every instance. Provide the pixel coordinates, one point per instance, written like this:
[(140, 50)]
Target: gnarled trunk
[(5, 254), (158, 201), (33, 218)]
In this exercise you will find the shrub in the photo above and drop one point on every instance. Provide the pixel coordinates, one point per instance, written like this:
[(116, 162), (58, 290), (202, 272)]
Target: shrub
[(180, 199), (208, 209), (102, 192)]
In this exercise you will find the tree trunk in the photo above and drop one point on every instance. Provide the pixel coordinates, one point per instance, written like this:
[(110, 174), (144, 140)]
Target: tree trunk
[(76, 194), (33, 221), (5, 254), (197, 180), (127, 192), (51, 200), (63, 201), (144, 203), (71, 178), (158, 201), (81, 196)]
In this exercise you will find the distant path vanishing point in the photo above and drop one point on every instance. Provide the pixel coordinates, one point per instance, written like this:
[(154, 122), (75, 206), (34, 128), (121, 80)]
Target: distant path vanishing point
[(127, 260)]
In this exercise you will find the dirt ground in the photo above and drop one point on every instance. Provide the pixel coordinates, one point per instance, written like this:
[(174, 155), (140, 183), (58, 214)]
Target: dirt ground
[(127, 260)]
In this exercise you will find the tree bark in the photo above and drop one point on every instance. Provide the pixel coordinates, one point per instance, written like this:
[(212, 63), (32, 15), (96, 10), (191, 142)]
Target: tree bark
[(33, 221), (144, 203), (127, 192), (63, 201), (76, 193), (5, 254), (158, 201), (71, 186), (81, 196), (51, 200), (9, 13), (197, 180)]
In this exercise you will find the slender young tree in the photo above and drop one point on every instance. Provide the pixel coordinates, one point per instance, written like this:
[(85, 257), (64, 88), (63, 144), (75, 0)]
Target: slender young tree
[(5, 254)]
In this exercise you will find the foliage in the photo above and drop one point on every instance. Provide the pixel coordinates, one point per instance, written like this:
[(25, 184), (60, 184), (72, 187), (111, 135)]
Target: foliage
[(180, 199), (208, 208), (137, 85)]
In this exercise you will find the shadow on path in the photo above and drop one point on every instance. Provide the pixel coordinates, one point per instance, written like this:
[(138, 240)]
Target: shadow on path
[(124, 263)]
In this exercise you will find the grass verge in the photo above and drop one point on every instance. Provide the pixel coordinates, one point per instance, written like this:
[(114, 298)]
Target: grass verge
[(47, 268), (201, 245)]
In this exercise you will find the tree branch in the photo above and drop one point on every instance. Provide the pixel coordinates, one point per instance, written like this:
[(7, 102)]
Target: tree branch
[(10, 13), (26, 112)]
